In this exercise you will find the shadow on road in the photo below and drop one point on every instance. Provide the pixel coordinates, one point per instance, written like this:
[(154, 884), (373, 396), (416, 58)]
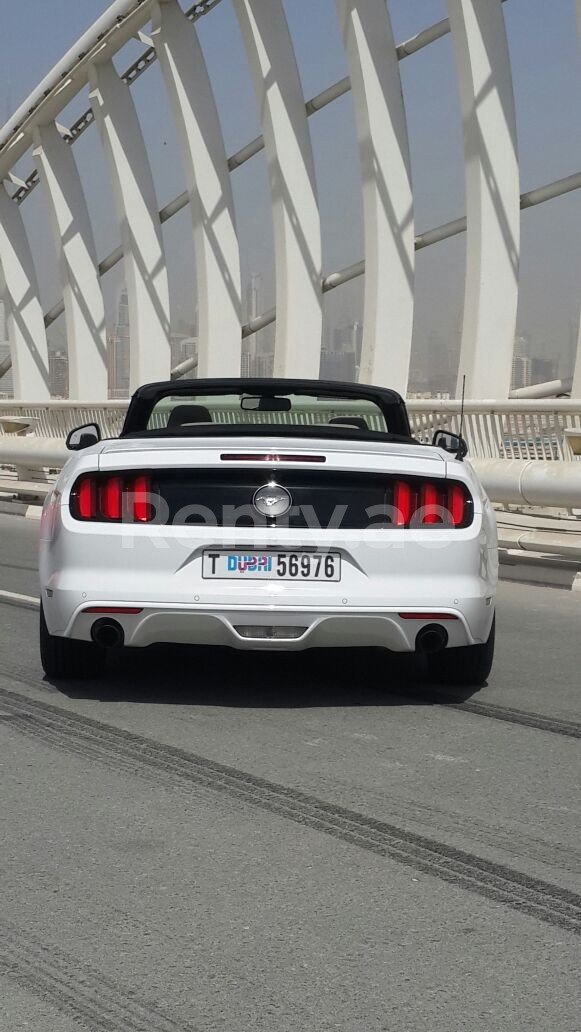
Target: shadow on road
[(182, 675)]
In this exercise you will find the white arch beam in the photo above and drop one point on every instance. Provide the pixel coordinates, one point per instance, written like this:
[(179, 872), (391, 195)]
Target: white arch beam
[(576, 387), (387, 192), (209, 190), (19, 288), (78, 266), (139, 225), (492, 196), (295, 213)]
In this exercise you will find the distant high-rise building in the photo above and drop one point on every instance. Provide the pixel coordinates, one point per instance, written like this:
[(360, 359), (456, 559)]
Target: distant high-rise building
[(118, 350), (123, 308), (182, 349), (356, 340), (58, 374), (440, 372), (521, 363), (263, 365), (6, 382), (567, 361), (521, 346), (338, 338), (253, 296), (338, 365), (251, 344), (259, 345), (341, 360), (521, 372), (245, 363), (543, 370)]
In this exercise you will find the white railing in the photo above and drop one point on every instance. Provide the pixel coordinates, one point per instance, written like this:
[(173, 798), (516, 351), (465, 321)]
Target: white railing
[(58, 418), (493, 429), (516, 429)]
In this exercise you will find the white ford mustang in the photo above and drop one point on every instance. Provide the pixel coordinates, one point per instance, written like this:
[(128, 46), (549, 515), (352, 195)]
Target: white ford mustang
[(268, 514)]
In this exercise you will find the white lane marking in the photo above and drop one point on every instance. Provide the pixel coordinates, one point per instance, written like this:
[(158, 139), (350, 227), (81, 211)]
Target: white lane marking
[(12, 598)]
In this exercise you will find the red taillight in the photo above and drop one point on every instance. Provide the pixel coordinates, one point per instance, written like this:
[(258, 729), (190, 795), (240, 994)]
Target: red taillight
[(457, 504), (403, 503), (140, 496), (430, 503), (111, 498), (87, 498)]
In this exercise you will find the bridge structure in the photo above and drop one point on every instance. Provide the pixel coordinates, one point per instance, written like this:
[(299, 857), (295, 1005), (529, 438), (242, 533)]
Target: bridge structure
[(525, 443)]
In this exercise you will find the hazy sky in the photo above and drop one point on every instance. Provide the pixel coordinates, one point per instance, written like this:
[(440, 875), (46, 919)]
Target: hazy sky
[(547, 80)]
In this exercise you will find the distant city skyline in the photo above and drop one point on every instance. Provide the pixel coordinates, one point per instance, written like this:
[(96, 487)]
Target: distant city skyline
[(432, 372)]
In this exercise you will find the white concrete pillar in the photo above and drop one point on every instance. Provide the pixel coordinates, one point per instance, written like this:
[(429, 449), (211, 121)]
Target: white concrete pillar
[(77, 258), (19, 288), (209, 189), (576, 388), (492, 196), (295, 212), (387, 192), (138, 217)]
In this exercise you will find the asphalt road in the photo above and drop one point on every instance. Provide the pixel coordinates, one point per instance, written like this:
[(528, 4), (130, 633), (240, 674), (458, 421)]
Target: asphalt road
[(212, 841)]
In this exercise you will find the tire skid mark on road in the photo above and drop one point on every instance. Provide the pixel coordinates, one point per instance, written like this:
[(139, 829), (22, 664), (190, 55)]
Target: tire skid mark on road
[(81, 745), (568, 728), (515, 842), (126, 751), (90, 997), (506, 714)]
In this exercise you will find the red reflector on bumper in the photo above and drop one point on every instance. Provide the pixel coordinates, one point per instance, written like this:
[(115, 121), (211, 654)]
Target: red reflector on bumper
[(128, 610), (427, 616)]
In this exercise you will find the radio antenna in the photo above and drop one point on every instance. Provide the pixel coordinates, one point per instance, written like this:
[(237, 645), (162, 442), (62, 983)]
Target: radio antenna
[(462, 404)]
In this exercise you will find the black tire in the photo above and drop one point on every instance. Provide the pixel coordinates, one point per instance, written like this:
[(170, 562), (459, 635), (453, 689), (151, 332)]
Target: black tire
[(64, 658), (469, 665)]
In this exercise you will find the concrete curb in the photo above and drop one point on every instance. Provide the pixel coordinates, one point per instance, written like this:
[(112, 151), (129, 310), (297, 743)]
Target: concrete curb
[(14, 507), (12, 598), (547, 571)]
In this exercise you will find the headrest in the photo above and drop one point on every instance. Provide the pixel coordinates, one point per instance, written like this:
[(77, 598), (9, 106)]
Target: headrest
[(357, 421), (183, 415)]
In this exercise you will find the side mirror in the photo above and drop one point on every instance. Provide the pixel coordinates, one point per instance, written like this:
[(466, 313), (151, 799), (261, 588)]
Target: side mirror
[(449, 442), (83, 437)]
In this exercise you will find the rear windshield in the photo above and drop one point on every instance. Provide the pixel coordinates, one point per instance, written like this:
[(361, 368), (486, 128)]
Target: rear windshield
[(183, 413)]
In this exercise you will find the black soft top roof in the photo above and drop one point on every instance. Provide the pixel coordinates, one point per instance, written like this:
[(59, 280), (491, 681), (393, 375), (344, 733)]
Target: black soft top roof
[(145, 398)]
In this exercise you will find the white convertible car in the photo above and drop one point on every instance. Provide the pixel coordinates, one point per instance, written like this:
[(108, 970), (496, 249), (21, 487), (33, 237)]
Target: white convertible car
[(271, 515)]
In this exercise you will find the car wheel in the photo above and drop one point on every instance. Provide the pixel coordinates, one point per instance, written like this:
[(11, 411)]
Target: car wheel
[(67, 658), (469, 665)]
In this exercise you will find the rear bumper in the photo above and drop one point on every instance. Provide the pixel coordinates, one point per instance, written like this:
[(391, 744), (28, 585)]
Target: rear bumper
[(160, 572), (274, 629)]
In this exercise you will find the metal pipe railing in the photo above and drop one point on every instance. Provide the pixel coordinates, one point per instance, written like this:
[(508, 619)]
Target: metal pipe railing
[(548, 389)]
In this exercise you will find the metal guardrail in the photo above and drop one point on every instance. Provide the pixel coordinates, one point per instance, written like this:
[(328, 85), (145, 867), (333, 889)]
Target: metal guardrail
[(516, 429)]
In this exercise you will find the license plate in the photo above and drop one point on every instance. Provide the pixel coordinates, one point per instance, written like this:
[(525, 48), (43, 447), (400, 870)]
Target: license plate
[(313, 566)]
